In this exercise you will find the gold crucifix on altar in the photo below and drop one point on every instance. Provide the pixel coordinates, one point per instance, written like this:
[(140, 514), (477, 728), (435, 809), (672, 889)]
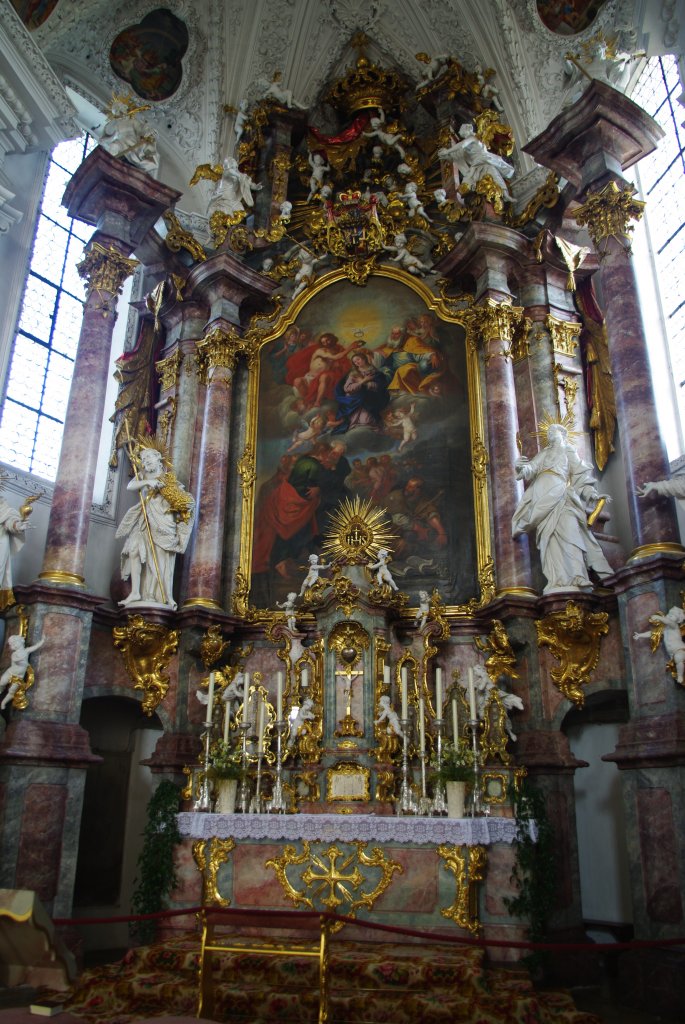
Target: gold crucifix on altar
[(349, 640), (349, 726)]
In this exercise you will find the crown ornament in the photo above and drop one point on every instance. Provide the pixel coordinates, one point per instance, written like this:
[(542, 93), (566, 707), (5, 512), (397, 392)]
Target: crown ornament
[(366, 85)]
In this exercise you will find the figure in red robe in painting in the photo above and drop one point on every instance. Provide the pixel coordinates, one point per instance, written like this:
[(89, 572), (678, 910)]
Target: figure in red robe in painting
[(314, 371)]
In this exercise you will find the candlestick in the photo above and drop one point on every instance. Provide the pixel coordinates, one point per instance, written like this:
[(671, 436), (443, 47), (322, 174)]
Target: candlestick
[(403, 677), (246, 694), (227, 720), (210, 698), (260, 726), (455, 720), (438, 692), (422, 727), (279, 696), (472, 697)]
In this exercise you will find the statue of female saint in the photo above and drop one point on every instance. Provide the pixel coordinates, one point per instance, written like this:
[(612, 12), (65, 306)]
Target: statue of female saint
[(156, 530), (554, 506)]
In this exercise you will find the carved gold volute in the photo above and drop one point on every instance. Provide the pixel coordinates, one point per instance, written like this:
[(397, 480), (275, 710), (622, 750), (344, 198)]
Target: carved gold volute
[(105, 270), (218, 348), (608, 214), (147, 648), (564, 334), (573, 637)]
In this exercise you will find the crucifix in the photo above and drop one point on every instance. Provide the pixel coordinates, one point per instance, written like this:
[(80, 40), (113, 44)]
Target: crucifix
[(348, 726)]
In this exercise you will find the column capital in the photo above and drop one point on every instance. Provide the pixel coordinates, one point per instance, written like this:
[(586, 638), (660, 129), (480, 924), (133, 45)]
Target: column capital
[(105, 269), (218, 349), (607, 213), (564, 334), (497, 321)]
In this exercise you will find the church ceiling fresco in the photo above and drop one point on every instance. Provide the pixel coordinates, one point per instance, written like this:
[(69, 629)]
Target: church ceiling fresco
[(34, 12), (566, 17), (148, 55)]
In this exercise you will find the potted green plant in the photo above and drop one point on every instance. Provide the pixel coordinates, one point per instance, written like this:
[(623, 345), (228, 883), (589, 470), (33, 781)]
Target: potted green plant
[(455, 770), (226, 769)]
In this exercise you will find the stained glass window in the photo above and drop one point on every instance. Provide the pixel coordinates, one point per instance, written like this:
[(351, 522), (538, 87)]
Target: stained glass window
[(660, 240), (42, 362)]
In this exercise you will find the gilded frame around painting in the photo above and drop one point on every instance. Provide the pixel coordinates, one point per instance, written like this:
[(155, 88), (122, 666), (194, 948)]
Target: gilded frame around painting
[(446, 310)]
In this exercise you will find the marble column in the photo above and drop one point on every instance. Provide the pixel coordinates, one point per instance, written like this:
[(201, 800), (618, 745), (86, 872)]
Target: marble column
[(122, 203), (487, 252), (591, 144), (216, 356)]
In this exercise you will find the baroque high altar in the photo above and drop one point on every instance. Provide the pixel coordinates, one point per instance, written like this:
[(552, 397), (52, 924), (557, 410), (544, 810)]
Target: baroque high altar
[(365, 418)]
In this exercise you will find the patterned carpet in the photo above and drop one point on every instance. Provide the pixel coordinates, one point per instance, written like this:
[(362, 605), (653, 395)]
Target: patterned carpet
[(370, 984)]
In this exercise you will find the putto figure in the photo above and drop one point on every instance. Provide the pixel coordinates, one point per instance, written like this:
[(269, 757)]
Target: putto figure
[(423, 610), (389, 715), (554, 506), (288, 607), (156, 529), (13, 676), (669, 628), (302, 715), (313, 573), (383, 574), (475, 161)]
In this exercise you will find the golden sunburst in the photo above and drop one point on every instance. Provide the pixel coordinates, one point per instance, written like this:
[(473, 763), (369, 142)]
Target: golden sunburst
[(566, 421), (356, 532)]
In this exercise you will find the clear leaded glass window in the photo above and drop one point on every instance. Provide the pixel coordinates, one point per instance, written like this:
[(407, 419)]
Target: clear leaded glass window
[(661, 242), (42, 361)]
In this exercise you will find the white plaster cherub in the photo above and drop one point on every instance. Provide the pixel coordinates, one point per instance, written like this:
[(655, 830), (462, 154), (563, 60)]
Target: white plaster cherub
[(387, 138), (672, 637), (307, 273), (240, 119), (313, 573), (275, 91), (411, 199), (320, 169), (302, 714), (423, 611), (13, 676), (288, 607), (434, 67), (484, 687), (389, 715), (383, 574), (285, 211), (405, 257)]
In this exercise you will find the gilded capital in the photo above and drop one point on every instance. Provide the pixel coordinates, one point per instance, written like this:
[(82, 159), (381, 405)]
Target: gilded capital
[(496, 321), (219, 348), (168, 370), (564, 334), (607, 214), (105, 270)]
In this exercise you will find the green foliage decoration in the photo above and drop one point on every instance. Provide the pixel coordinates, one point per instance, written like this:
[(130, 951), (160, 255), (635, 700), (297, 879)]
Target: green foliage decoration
[(156, 876)]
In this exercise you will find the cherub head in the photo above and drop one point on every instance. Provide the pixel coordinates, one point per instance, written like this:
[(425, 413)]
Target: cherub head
[(466, 130), (313, 559), (16, 642), (384, 701), (291, 597)]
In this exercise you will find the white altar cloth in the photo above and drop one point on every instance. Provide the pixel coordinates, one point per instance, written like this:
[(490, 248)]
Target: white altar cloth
[(350, 828)]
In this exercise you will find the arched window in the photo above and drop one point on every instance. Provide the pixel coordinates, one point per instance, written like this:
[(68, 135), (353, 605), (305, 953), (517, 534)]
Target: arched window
[(660, 245), (42, 360)]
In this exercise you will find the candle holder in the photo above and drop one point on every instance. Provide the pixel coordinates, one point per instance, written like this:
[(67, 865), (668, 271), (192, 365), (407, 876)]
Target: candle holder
[(439, 797), (256, 801), (407, 803), (425, 802), (475, 792), (278, 802), (204, 800), (244, 792)]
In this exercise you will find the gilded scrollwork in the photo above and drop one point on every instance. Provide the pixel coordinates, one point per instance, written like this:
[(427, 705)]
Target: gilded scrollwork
[(479, 462), (467, 863), (500, 659), (573, 637), (147, 648), (608, 214), (208, 867), (178, 238), (246, 469), (105, 269), (168, 370), (564, 334)]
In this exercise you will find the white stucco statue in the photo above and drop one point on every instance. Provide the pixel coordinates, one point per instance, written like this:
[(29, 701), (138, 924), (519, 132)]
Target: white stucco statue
[(599, 59), (673, 488), (241, 118), (307, 271), (13, 525), (126, 135), (288, 607), (313, 573), (668, 628), (383, 574), (389, 715), (233, 190), (320, 169), (484, 687), (378, 131), (13, 677), (432, 69), (474, 160), (405, 257), (273, 90), (156, 529), (421, 617), (302, 714), (411, 199), (561, 486)]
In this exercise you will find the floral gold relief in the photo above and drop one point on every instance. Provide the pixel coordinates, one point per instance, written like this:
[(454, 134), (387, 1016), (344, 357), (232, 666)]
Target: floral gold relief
[(573, 637), (467, 863), (608, 214), (147, 648), (209, 855)]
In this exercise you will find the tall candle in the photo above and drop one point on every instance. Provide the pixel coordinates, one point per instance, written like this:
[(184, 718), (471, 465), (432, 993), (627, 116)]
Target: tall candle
[(260, 726), (455, 721), (227, 720), (279, 696), (438, 692), (403, 677), (246, 694), (422, 727), (305, 677), (386, 676), (472, 696), (210, 697)]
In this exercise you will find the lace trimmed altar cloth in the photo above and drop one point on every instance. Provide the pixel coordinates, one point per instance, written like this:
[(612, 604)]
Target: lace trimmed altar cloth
[(350, 828)]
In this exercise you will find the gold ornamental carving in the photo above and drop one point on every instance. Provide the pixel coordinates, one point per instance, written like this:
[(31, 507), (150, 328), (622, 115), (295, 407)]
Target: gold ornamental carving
[(208, 866), (105, 270), (333, 877), (608, 214), (178, 238), (246, 469), (573, 637), (356, 532), (547, 196), (500, 659), (479, 462), (488, 590), (346, 592), (564, 334), (168, 370), (496, 321), (218, 348), (467, 863), (147, 648)]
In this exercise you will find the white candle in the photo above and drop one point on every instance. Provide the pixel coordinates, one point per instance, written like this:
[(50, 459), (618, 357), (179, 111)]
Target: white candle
[(279, 696), (472, 696), (422, 727), (386, 676), (403, 677), (210, 697), (260, 726), (305, 677), (455, 721), (438, 692), (227, 720), (246, 692)]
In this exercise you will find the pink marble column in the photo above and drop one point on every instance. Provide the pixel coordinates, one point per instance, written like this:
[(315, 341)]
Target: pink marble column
[(590, 144), (122, 203), (204, 572)]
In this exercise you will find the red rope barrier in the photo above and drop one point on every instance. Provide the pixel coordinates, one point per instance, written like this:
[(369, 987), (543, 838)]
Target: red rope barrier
[(560, 947)]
